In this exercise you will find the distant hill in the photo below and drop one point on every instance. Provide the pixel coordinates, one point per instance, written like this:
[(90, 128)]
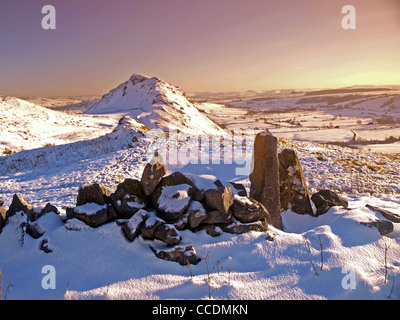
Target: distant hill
[(156, 104), (345, 90)]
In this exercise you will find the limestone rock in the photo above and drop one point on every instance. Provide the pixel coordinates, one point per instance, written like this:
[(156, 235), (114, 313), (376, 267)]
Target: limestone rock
[(294, 194), (92, 214), (19, 204), (173, 179), (168, 234), (132, 228), (212, 230), (45, 246), (196, 214), (173, 201), (94, 193), (35, 230), (198, 196), (264, 177), (128, 198), (239, 228), (239, 188), (183, 222), (326, 199), (248, 210), (47, 209), (182, 255), (219, 199), (152, 174), (217, 217), (150, 225), (384, 227), (386, 213)]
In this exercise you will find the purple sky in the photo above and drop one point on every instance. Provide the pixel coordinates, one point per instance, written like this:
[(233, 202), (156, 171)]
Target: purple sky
[(207, 45)]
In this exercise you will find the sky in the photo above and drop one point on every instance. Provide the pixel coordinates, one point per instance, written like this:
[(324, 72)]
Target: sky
[(198, 45)]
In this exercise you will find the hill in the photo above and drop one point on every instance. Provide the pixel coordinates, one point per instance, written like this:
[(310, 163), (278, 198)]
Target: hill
[(26, 125), (156, 104)]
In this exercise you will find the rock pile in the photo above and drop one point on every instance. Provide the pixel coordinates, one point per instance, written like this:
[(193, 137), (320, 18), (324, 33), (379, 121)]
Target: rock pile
[(29, 215), (159, 206)]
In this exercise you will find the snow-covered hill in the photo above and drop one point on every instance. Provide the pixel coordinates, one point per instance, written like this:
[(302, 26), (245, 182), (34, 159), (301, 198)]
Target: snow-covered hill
[(125, 135), (99, 263), (156, 104), (25, 125)]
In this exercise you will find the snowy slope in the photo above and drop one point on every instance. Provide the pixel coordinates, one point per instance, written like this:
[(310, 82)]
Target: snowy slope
[(154, 103), (25, 125), (101, 264), (55, 157)]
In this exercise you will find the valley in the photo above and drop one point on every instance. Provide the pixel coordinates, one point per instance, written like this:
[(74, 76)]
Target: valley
[(368, 120)]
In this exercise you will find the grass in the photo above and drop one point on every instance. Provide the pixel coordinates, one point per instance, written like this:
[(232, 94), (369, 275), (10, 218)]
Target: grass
[(3, 296), (216, 279), (7, 151), (392, 156), (48, 144), (348, 163)]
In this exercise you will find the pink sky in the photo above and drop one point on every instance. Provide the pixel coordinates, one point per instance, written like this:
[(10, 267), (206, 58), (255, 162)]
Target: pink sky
[(207, 45)]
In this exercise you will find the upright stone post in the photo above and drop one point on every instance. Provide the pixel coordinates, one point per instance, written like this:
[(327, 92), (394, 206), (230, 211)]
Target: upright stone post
[(264, 177), (152, 174), (294, 191)]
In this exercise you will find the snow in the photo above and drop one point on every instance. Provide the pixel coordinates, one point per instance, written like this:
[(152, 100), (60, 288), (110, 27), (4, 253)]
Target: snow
[(100, 263), (75, 224), (136, 220), (152, 219), (202, 181), (321, 118), (242, 200), (25, 125), (197, 206), (174, 198), (64, 155), (135, 205), (243, 266), (89, 208)]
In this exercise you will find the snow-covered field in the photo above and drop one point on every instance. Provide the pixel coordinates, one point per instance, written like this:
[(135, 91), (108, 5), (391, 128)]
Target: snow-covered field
[(334, 118), (99, 263)]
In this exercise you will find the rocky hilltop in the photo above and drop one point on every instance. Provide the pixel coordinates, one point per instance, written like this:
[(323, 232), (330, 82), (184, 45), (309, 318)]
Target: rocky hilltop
[(155, 103)]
